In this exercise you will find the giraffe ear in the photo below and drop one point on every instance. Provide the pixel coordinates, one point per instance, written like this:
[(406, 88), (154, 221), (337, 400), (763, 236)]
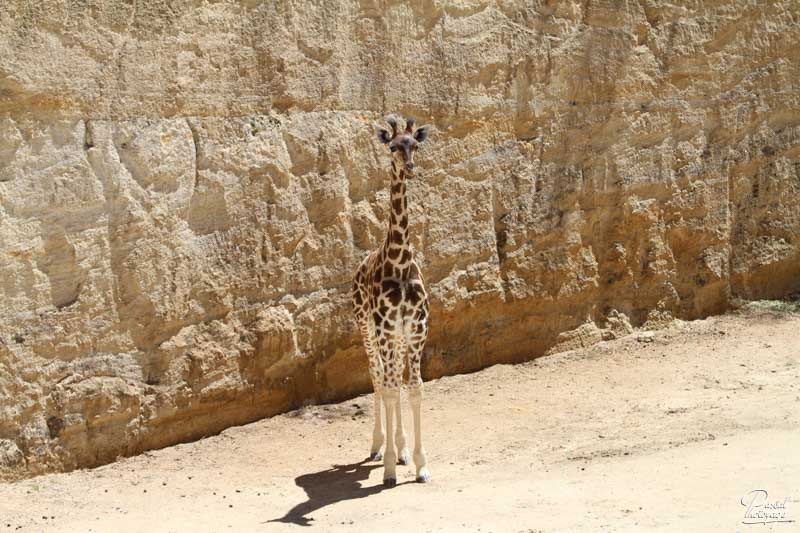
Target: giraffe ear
[(422, 133), (383, 135)]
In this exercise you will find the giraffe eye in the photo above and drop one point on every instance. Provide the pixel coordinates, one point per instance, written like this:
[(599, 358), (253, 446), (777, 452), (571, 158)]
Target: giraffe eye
[(393, 148)]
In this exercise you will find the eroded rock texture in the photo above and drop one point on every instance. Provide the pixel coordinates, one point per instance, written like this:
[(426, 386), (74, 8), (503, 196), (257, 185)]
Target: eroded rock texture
[(186, 188)]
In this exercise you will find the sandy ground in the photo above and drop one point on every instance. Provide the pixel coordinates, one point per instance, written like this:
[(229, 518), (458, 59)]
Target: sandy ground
[(665, 431)]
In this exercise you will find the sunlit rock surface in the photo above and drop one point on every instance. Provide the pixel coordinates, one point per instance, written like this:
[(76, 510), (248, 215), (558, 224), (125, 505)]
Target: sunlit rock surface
[(186, 189)]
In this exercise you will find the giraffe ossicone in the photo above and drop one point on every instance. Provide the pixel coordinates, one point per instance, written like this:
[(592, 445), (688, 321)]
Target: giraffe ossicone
[(391, 309)]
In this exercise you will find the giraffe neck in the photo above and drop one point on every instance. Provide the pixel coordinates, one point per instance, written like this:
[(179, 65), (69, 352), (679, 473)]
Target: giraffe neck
[(398, 247)]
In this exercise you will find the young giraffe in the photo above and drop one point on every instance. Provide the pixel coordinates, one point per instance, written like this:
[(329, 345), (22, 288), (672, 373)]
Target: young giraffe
[(391, 308)]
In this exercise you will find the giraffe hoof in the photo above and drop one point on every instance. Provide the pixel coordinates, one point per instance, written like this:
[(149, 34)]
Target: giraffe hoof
[(376, 456), (424, 476), (390, 482), (404, 460)]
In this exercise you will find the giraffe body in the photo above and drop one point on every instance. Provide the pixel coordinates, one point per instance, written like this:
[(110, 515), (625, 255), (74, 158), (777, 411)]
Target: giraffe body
[(391, 308)]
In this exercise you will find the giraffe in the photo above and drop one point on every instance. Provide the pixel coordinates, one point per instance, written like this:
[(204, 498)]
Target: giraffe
[(391, 309)]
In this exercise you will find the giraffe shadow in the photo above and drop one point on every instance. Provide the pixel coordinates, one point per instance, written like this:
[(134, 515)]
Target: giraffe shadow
[(327, 487)]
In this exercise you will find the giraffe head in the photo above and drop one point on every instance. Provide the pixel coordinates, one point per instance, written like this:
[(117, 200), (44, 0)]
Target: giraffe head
[(403, 144)]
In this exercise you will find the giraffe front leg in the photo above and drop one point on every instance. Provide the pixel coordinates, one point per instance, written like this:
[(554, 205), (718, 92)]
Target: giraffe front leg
[(415, 398), (376, 373), (390, 392), (400, 435), (391, 396), (377, 431), (420, 460)]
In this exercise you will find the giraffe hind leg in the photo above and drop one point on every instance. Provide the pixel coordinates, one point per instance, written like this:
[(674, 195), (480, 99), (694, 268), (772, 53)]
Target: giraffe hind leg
[(378, 438), (390, 393), (376, 374), (375, 371), (415, 399), (403, 456)]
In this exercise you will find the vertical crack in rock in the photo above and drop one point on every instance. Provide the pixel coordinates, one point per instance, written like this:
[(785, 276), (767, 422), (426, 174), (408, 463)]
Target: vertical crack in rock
[(500, 230), (730, 223), (88, 140), (196, 142), (60, 265), (208, 207)]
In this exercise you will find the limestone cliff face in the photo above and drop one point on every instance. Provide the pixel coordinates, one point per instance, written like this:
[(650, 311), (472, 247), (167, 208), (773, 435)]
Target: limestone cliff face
[(186, 188)]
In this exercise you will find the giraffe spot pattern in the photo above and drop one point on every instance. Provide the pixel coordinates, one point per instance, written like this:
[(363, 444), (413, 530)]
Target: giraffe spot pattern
[(388, 287)]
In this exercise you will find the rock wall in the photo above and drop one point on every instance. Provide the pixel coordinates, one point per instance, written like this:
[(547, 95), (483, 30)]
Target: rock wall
[(186, 188)]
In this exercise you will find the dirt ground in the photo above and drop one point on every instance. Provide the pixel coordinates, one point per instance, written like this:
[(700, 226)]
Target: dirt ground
[(664, 431)]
